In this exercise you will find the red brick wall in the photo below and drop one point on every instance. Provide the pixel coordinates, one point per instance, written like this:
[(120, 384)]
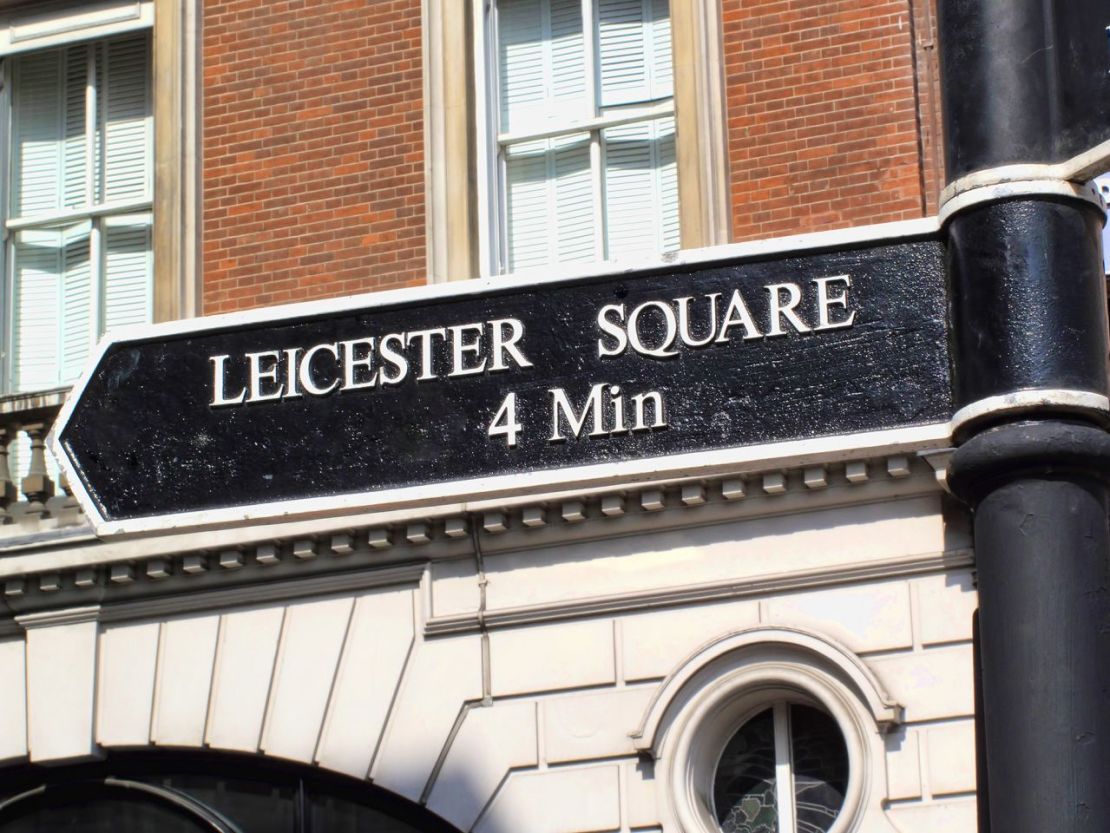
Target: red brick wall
[(822, 115), (313, 173)]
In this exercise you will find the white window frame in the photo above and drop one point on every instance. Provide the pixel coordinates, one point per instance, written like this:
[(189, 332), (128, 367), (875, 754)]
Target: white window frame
[(713, 692), (778, 701), (493, 256), (62, 26)]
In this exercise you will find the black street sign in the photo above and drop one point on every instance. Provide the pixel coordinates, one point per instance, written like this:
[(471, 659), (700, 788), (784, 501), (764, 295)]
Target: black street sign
[(1030, 84), (509, 386)]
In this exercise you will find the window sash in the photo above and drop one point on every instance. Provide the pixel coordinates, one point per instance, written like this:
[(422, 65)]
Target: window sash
[(599, 109), (102, 200)]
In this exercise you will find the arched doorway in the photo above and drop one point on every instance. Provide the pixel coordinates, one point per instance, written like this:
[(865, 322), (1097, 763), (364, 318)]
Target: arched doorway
[(177, 792)]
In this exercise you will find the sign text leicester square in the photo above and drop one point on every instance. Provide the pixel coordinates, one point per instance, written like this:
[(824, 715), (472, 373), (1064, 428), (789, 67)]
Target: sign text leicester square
[(432, 394)]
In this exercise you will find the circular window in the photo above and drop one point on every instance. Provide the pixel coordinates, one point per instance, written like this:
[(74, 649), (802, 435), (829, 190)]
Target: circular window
[(770, 730), (785, 770)]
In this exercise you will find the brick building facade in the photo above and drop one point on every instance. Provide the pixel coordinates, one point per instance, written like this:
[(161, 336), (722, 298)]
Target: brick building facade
[(610, 655)]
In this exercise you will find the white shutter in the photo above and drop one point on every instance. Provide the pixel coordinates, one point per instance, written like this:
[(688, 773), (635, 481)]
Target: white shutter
[(35, 339), (629, 194), (76, 326), (125, 113), (75, 175), (662, 58), (542, 62), (128, 267), (37, 125), (574, 225), (567, 59), (641, 188), (526, 212), (634, 42), (667, 184), (520, 56), (550, 202), (53, 319)]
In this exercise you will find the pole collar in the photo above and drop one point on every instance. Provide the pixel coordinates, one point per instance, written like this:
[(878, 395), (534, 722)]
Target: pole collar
[(1014, 181), (1028, 449)]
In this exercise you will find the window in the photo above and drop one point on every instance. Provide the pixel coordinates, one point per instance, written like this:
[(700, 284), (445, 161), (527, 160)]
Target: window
[(581, 164), (78, 221), (784, 771), (770, 730), (207, 793)]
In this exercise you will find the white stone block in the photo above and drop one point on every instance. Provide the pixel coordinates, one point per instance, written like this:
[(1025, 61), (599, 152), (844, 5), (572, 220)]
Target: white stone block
[(945, 605), (644, 796), (307, 660), (185, 660), (933, 684), (380, 538), (194, 564), (418, 533), (50, 582), (267, 554), (951, 756), (731, 553), (304, 549), (454, 586), (774, 483), (378, 643), (734, 489), (231, 559), (456, 528), (856, 472), (125, 698), (654, 643), (815, 477), (61, 690), (495, 522), (585, 726), (574, 511), (342, 543), (903, 764), (653, 500), (872, 617), (442, 675), (490, 741), (557, 801), (534, 516), (241, 682), (953, 816), (898, 466), (612, 506), (693, 494), (13, 699), (551, 657)]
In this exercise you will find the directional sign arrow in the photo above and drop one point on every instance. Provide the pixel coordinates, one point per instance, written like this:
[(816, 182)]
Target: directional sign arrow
[(512, 386)]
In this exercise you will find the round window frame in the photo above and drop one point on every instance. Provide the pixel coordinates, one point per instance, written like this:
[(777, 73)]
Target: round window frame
[(753, 703), (709, 695), (722, 708)]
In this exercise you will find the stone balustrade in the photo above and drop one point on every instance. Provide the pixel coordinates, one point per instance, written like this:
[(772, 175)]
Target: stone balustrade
[(34, 495)]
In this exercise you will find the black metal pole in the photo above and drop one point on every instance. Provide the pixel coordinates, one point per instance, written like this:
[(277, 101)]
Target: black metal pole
[(1030, 370)]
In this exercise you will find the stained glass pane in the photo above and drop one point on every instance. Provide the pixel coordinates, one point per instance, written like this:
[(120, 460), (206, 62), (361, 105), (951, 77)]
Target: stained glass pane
[(744, 786), (820, 768)]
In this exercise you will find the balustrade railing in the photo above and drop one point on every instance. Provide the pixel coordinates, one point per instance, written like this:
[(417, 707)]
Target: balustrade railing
[(34, 494)]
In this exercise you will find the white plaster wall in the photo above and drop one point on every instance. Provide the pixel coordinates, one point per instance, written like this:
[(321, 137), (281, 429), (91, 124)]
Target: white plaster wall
[(527, 729)]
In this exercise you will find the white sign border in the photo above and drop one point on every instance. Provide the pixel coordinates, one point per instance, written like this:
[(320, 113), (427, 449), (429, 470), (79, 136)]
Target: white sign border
[(539, 482)]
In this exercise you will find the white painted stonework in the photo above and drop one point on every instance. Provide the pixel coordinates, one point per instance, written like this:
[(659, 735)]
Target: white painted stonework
[(544, 684)]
